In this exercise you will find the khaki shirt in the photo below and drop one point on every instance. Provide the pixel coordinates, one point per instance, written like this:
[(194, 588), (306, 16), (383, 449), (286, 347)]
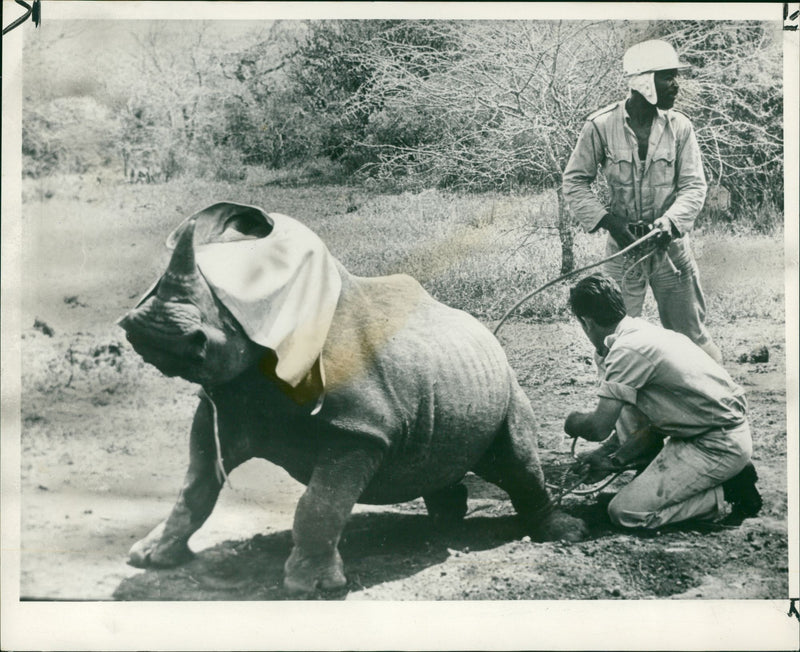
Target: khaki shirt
[(670, 182), (675, 384)]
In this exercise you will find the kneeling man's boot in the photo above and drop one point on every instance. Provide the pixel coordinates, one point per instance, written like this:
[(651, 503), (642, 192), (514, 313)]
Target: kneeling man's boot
[(740, 491)]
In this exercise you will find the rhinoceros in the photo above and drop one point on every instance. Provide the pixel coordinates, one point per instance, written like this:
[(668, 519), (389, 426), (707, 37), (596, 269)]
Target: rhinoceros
[(397, 396)]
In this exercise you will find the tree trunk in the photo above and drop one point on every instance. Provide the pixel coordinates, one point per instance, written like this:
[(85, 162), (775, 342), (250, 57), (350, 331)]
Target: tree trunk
[(565, 234)]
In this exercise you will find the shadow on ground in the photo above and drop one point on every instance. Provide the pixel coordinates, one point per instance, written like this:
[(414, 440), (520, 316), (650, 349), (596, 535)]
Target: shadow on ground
[(377, 548), (402, 556)]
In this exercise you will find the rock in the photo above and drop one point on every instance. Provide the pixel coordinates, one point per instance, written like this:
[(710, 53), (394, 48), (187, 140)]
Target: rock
[(42, 327), (74, 302), (760, 354)]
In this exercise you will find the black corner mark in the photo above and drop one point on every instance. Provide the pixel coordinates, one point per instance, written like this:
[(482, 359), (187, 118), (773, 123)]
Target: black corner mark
[(793, 608), (790, 22), (34, 12)]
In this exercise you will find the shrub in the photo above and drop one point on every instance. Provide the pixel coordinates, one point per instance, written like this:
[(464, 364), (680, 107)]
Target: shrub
[(67, 135)]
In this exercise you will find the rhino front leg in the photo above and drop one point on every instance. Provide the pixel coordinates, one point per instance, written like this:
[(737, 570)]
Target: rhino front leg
[(342, 472), (167, 544), (512, 463)]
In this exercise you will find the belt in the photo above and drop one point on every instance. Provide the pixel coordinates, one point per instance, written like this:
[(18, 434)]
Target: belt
[(640, 229)]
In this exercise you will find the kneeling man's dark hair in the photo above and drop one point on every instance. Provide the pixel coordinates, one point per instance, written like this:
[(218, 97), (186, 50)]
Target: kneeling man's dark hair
[(597, 296)]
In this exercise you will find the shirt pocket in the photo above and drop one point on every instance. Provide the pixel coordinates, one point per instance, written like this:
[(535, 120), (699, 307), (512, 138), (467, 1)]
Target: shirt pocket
[(619, 167), (661, 184), (620, 173), (662, 167)]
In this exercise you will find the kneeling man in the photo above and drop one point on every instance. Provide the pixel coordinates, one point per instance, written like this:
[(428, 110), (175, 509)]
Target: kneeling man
[(703, 470)]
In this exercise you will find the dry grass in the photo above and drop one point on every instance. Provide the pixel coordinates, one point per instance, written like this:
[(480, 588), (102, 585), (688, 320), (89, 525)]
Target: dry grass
[(475, 252)]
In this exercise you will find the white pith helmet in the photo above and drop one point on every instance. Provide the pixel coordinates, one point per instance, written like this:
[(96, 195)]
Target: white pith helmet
[(651, 56)]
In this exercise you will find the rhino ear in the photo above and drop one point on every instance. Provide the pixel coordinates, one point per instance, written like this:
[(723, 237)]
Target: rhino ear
[(229, 222), (244, 223)]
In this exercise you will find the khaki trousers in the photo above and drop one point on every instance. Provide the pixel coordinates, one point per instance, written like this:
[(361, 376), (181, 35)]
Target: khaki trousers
[(684, 480)]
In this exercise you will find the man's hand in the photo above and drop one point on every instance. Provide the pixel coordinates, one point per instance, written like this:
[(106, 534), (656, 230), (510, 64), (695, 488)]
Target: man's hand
[(618, 228), (597, 425), (598, 464), (667, 231)]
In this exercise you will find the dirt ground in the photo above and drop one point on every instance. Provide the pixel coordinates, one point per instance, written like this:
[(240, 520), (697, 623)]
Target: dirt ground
[(105, 441), (104, 445)]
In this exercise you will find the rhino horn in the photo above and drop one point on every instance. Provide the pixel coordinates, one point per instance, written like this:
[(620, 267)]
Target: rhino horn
[(182, 269)]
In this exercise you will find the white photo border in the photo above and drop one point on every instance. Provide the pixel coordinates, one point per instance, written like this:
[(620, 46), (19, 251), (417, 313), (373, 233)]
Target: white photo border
[(639, 625)]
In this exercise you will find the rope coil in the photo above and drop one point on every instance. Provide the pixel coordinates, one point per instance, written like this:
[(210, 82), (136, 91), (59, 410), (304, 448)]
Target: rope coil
[(563, 489)]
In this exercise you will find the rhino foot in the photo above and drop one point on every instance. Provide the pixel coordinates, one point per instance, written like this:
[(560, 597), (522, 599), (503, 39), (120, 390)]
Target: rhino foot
[(562, 527), (304, 574), (156, 552)]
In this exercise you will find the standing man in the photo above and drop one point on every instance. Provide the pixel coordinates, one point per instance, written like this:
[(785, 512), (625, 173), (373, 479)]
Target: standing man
[(704, 470), (651, 161)]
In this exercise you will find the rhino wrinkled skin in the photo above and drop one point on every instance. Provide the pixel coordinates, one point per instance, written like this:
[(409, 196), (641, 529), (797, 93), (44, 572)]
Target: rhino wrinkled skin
[(416, 395)]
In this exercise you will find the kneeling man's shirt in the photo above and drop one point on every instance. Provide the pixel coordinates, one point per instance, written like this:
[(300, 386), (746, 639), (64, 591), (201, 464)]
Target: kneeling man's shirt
[(680, 389)]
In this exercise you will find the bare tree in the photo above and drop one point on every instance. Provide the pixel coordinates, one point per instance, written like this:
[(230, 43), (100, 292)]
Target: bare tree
[(174, 116), (733, 93), (500, 109), (501, 106)]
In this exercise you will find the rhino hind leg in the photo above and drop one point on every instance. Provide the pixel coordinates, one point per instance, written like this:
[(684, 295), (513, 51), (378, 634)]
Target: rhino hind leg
[(167, 544), (512, 463), (447, 506), (343, 470)]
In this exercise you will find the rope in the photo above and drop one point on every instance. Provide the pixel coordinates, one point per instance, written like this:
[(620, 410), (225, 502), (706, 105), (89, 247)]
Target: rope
[(219, 466), (640, 261), (563, 277), (648, 255), (562, 491)]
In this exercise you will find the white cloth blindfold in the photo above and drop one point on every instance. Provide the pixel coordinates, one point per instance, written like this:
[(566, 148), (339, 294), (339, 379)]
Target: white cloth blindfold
[(645, 84)]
